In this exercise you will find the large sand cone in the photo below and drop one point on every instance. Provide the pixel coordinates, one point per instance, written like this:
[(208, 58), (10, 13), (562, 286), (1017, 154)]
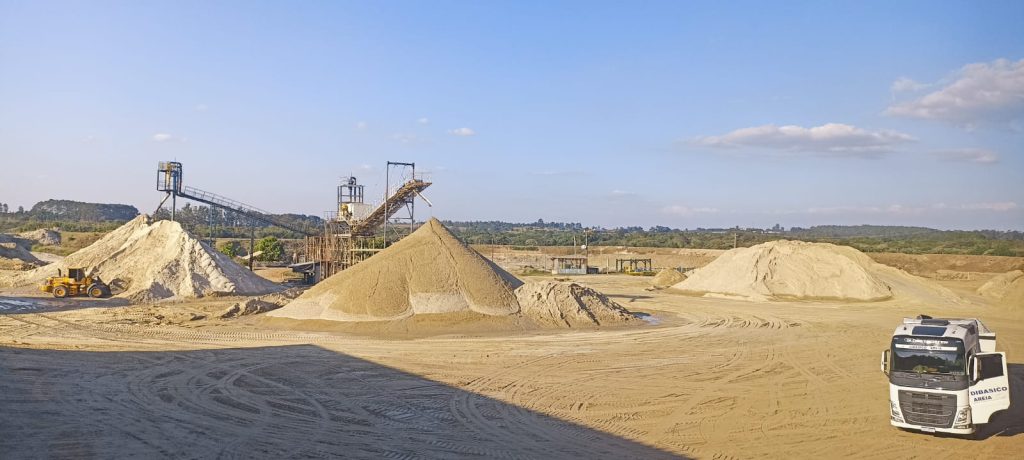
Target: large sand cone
[(155, 261), (429, 271), (798, 270), (1006, 289), (790, 269)]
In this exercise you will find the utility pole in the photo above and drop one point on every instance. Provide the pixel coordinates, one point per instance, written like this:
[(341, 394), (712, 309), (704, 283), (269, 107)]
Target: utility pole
[(252, 240), (735, 239)]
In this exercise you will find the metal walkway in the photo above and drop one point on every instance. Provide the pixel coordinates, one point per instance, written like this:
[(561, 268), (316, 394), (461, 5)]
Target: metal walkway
[(169, 179), (223, 202), (405, 194)]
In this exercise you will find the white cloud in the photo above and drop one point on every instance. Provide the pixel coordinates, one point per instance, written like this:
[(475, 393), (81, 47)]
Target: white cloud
[(969, 155), (831, 139), (462, 132), (423, 121), (980, 92), (621, 196), (407, 138), (680, 210), (899, 209), (904, 84), (997, 207), (162, 137), (202, 108), (890, 209), (361, 126)]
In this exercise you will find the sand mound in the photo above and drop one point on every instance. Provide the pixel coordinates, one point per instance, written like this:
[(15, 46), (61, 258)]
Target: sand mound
[(429, 271), (44, 236), (155, 261), (790, 269), (1007, 288), (667, 278), (15, 254), (568, 304)]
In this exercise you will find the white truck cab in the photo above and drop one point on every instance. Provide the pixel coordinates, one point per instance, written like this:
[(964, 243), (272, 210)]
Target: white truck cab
[(944, 375)]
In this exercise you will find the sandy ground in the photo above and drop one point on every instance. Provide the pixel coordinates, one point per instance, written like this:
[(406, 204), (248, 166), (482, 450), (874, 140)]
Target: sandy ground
[(703, 378)]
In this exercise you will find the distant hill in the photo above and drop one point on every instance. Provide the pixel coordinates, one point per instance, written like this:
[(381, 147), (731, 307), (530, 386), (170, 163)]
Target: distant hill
[(82, 212)]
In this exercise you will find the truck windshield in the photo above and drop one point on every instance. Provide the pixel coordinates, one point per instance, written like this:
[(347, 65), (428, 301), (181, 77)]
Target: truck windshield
[(928, 355)]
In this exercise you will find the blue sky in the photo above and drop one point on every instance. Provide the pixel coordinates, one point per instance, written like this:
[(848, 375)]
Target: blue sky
[(682, 114)]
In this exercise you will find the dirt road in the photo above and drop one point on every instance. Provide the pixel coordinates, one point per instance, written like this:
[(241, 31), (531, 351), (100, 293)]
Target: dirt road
[(713, 379)]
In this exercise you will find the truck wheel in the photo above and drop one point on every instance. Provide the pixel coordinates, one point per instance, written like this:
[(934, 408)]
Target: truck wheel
[(95, 291), (60, 292)]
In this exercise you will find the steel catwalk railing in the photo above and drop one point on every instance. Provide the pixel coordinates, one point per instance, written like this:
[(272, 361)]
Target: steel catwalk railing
[(223, 202)]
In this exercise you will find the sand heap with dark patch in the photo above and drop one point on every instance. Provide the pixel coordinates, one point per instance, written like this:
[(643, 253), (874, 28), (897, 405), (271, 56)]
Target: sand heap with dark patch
[(569, 305), (1006, 289), (667, 277), (152, 261), (432, 272), (44, 236), (15, 253), (429, 271), (799, 270)]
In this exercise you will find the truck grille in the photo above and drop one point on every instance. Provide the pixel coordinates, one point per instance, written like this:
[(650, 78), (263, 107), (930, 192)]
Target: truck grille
[(928, 409)]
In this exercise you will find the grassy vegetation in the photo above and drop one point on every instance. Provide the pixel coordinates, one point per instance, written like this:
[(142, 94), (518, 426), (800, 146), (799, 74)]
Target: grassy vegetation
[(527, 237), (907, 240)]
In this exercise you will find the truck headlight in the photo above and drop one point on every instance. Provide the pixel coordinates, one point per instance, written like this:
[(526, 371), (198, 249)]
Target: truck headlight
[(895, 409), (963, 418)]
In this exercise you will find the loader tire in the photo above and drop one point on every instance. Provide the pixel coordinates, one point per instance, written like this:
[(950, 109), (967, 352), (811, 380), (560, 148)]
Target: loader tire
[(60, 292), (95, 291)]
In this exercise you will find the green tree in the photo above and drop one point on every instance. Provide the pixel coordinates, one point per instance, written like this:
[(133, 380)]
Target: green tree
[(271, 247), (229, 248)]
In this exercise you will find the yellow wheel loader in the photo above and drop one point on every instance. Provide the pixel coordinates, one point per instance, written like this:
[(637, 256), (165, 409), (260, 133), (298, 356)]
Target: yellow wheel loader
[(74, 284)]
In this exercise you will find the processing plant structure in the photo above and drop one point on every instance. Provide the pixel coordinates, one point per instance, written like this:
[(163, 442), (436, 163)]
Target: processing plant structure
[(354, 231)]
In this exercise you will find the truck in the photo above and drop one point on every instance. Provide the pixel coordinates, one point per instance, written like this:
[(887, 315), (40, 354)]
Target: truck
[(944, 375)]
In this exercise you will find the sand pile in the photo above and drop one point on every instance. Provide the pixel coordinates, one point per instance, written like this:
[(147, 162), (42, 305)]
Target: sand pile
[(429, 271), (44, 236), (791, 269), (15, 254), (667, 278), (1007, 288), (433, 274), (155, 261), (568, 304)]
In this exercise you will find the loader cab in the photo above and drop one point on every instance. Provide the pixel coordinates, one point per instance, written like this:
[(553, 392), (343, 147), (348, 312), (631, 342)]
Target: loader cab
[(77, 274)]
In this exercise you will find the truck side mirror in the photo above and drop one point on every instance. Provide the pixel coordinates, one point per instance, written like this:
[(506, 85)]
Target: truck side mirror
[(885, 362), (973, 370)]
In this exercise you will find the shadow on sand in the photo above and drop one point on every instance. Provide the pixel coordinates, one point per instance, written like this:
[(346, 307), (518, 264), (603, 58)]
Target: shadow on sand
[(14, 304), (270, 402)]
